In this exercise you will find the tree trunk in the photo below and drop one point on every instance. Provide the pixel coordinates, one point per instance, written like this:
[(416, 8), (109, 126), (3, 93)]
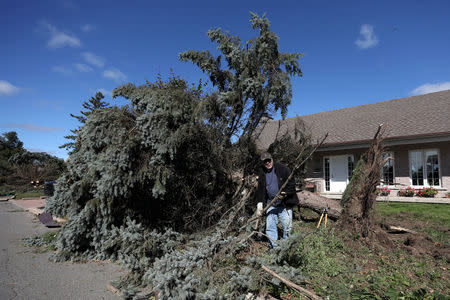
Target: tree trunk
[(361, 193), (319, 203)]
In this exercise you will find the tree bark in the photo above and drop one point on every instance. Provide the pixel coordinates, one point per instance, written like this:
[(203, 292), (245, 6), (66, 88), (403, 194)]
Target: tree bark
[(319, 203)]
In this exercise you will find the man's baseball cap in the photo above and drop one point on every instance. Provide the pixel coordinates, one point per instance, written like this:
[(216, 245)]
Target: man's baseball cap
[(265, 155)]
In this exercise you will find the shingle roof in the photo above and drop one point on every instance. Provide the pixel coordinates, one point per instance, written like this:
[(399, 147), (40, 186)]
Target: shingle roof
[(420, 116)]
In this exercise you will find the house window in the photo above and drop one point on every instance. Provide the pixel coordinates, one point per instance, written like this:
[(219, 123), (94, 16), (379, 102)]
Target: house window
[(387, 171), (416, 167), (432, 167), (424, 166), (327, 173), (350, 167)]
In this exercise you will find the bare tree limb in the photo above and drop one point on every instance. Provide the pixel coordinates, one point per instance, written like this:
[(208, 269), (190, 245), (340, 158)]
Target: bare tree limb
[(397, 229), (296, 287)]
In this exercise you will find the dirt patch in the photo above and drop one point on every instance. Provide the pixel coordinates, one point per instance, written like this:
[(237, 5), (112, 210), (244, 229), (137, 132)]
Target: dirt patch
[(417, 244)]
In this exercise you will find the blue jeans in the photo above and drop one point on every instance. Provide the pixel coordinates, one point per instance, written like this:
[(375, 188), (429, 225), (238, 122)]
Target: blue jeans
[(285, 216)]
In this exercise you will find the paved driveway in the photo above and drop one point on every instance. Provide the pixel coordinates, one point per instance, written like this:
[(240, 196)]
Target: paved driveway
[(25, 274)]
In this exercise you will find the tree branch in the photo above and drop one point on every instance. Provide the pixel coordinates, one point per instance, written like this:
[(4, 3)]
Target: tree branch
[(298, 288)]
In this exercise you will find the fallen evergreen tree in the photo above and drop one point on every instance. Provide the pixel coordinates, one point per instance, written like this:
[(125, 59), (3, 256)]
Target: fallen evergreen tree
[(151, 184)]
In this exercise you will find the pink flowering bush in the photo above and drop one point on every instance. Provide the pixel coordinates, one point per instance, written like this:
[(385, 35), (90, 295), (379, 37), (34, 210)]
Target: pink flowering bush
[(426, 192), (408, 192), (384, 191)]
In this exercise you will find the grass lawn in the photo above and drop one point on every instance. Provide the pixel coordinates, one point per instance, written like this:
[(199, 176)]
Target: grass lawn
[(434, 213), (22, 191), (408, 266), (433, 219), (29, 194)]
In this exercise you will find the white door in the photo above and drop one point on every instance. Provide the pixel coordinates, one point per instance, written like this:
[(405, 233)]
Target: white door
[(338, 173)]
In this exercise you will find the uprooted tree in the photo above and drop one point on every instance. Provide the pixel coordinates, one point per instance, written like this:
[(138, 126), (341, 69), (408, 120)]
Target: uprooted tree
[(359, 198), (165, 164)]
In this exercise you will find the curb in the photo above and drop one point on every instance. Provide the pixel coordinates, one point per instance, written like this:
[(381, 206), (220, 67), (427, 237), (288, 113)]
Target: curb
[(36, 211), (414, 200), (399, 199)]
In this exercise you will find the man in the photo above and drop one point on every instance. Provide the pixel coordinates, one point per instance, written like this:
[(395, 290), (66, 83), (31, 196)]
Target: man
[(270, 179)]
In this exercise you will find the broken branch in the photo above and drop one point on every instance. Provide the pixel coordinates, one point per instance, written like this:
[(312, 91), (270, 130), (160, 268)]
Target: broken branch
[(298, 288), (396, 229)]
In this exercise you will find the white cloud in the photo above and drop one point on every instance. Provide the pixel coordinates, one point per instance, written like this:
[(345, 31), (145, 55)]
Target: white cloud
[(367, 38), (59, 39), (87, 27), (62, 70), (83, 68), (32, 127), (7, 89), (115, 75), (93, 59), (431, 88)]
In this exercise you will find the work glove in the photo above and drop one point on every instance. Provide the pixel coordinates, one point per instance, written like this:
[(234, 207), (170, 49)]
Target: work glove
[(259, 209)]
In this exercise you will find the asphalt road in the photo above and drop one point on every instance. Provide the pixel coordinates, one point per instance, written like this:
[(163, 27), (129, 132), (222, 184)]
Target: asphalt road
[(25, 274)]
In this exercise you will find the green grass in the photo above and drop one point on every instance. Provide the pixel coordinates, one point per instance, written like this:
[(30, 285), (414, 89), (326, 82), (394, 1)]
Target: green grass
[(338, 267), (359, 271), (433, 219), (434, 213), (20, 192), (29, 194)]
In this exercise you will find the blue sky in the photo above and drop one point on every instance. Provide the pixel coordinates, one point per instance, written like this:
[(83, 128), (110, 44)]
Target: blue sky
[(55, 54)]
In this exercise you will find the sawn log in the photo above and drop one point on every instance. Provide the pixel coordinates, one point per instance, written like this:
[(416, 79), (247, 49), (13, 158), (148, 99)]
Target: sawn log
[(319, 203)]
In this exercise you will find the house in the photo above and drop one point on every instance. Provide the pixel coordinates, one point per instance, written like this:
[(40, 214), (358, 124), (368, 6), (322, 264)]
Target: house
[(418, 140)]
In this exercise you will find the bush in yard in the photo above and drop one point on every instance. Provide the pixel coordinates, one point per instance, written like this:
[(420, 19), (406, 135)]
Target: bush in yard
[(383, 191), (408, 192), (426, 192)]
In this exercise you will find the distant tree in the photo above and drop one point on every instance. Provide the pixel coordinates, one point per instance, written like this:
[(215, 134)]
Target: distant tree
[(18, 167), (35, 166), (9, 145), (91, 105)]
